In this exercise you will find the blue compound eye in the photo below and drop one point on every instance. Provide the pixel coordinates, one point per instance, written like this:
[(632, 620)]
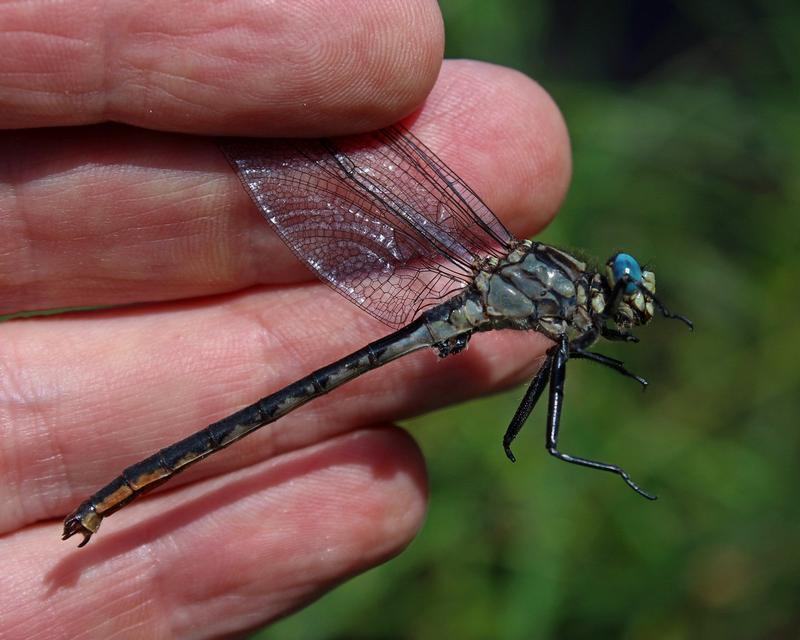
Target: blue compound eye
[(625, 264)]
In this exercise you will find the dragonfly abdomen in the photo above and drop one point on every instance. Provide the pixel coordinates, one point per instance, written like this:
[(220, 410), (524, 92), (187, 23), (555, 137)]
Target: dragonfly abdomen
[(161, 466)]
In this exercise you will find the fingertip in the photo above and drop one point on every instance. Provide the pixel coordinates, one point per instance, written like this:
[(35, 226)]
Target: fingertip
[(512, 141)]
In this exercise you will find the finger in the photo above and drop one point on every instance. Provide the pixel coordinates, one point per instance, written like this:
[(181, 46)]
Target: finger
[(158, 217), (505, 136), (224, 555), (299, 68), (84, 396)]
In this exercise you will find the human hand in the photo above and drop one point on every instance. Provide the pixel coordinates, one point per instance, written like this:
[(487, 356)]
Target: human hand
[(100, 214)]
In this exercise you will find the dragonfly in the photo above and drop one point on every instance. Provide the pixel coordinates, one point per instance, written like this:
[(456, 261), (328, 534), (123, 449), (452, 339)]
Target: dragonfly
[(386, 223)]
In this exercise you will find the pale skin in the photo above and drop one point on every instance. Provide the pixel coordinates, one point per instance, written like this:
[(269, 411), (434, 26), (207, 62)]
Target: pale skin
[(94, 214)]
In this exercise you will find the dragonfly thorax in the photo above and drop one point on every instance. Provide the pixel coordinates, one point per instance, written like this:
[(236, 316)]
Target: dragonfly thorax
[(542, 288)]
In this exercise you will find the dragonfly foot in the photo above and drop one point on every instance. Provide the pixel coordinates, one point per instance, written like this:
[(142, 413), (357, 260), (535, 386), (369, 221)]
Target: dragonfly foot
[(624, 475), (509, 453)]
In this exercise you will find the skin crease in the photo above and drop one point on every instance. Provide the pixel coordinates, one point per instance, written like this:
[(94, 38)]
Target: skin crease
[(112, 214)]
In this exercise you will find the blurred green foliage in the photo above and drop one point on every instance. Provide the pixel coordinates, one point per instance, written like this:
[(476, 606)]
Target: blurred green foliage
[(685, 124)]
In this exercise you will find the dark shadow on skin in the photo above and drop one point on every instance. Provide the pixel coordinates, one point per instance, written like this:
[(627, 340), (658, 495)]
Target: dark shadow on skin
[(345, 450), (132, 147)]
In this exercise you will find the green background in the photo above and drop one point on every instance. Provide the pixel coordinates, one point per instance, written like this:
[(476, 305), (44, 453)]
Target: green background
[(685, 125)]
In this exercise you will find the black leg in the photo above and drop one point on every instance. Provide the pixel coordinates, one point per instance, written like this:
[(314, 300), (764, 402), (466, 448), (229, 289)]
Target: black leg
[(618, 336), (532, 396), (612, 363), (557, 376), (663, 308)]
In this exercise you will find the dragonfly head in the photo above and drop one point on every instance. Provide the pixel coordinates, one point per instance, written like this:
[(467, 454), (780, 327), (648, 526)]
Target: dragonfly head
[(632, 289)]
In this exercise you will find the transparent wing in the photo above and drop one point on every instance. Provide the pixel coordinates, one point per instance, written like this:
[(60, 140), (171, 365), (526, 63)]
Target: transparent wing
[(378, 216)]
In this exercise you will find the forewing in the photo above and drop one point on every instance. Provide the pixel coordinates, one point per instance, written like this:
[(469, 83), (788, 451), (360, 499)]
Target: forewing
[(430, 187), (377, 216)]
